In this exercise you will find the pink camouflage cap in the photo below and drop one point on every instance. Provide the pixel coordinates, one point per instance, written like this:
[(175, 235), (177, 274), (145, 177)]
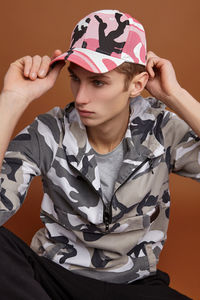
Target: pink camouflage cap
[(105, 39)]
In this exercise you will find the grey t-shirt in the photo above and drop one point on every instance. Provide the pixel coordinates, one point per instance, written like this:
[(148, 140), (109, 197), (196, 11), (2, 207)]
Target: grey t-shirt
[(109, 165)]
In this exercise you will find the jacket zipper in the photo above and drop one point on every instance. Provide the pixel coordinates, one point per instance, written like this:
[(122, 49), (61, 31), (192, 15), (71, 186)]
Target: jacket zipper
[(108, 208), (107, 212), (107, 216)]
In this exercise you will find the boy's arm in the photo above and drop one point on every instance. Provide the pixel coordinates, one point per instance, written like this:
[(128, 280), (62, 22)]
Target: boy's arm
[(26, 79), (164, 86)]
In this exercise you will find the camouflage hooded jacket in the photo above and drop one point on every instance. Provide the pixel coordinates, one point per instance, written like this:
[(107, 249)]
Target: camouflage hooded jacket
[(119, 243)]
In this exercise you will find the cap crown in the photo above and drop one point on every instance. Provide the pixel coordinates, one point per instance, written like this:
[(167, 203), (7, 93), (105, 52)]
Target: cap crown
[(112, 33)]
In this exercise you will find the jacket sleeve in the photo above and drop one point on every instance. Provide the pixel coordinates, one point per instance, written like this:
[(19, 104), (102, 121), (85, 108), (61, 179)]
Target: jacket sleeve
[(29, 154), (185, 150)]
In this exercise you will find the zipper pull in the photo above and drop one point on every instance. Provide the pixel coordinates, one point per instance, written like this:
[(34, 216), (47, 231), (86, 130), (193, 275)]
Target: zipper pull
[(151, 166), (106, 217)]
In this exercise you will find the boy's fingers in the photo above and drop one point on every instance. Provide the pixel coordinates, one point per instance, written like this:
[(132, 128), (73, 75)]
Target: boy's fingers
[(44, 66), (150, 67), (56, 53), (35, 67), (151, 54), (27, 61)]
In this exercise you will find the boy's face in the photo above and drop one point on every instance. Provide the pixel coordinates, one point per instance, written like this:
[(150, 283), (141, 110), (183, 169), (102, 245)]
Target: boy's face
[(99, 98)]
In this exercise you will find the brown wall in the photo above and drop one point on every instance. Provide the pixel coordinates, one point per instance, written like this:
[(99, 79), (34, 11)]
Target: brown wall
[(172, 27)]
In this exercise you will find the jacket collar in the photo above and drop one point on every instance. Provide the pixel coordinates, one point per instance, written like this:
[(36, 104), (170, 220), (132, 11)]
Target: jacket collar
[(143, 138), (145, 126)]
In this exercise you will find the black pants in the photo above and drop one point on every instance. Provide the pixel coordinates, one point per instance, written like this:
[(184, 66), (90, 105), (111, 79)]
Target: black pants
[(26, 276)]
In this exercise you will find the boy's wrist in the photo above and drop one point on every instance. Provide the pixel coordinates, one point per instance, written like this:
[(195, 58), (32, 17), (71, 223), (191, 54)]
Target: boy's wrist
[(177, 98), (13, 101)]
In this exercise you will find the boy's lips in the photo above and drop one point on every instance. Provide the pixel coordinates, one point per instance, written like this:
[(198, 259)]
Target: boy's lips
[(83, 112)]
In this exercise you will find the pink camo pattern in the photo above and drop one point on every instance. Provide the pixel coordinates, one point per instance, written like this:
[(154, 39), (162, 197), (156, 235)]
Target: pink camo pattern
[(103, 40)]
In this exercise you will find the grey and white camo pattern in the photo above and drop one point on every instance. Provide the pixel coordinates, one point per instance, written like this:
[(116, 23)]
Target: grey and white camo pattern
[(75, 235)]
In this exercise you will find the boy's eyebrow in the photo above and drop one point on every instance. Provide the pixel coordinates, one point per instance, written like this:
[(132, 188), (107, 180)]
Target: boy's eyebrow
[(98, 76), (95, 76)]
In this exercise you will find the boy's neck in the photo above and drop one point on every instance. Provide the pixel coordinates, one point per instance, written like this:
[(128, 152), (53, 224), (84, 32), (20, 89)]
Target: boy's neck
[(106, 137)]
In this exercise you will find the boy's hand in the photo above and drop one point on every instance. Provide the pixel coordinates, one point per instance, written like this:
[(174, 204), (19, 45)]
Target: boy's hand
[(29, 77), (162, 83)]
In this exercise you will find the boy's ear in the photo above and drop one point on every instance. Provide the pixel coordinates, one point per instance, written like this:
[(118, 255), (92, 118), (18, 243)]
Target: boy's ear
[(138, 84)]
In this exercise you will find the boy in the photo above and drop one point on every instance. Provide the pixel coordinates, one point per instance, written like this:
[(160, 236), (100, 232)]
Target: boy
[(104, 162)]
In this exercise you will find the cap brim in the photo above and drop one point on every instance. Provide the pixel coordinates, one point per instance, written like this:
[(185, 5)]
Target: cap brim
[(90, 60)]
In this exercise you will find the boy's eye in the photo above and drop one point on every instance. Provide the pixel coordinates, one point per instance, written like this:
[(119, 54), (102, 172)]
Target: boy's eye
[(74, 77), (98, 83)]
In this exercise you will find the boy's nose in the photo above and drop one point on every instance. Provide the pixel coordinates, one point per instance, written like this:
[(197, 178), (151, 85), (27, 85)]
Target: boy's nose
[(82, 96)]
